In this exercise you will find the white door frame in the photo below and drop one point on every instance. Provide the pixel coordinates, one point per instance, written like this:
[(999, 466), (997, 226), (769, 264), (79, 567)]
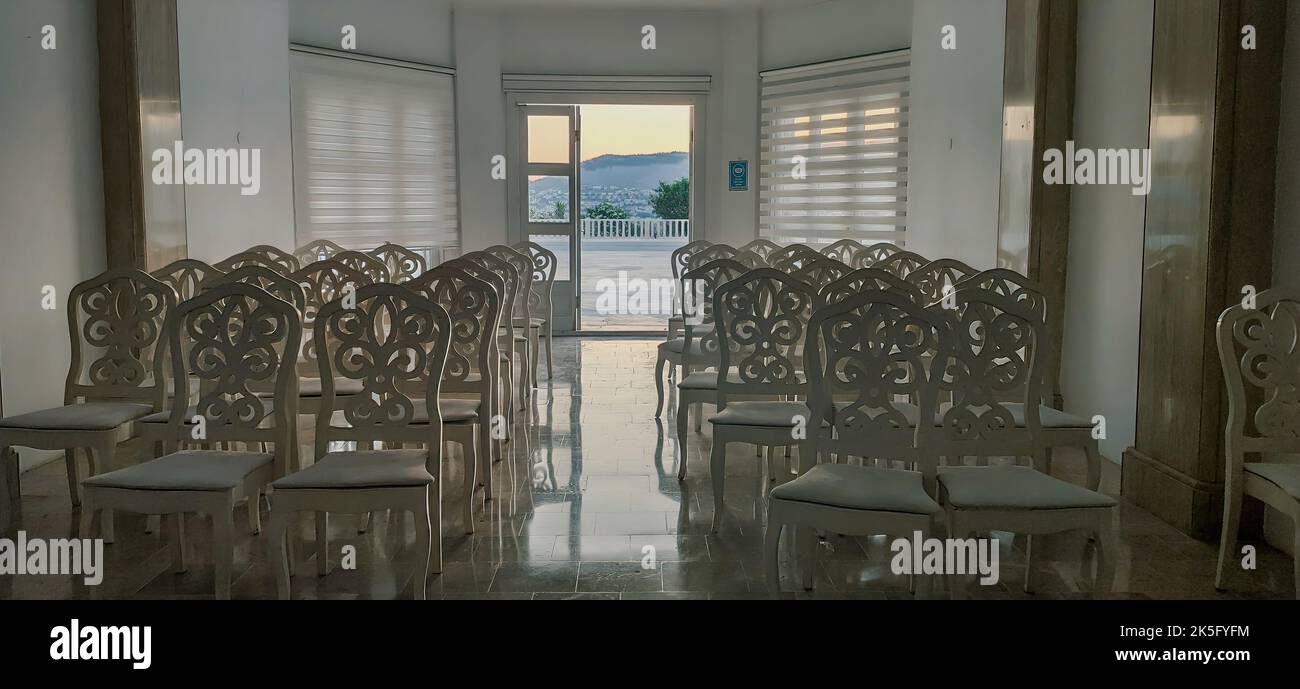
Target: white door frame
[(516, 185)]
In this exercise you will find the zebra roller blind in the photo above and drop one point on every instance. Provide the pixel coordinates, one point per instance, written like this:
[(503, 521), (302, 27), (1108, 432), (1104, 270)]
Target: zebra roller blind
[(374, 153), (834, 151)]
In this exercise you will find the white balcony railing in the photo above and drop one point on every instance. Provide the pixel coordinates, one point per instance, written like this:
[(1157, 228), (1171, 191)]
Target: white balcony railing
[(635, 228)]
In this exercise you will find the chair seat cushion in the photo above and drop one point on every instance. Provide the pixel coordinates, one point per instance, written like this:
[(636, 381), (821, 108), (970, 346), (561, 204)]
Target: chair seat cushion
[(859, 488), (705, 380), (771, 414), (1014, 488), (1047, 416), (87, 416), (1284, 476), (186, 470), (311, 387), (453, 410), (362, 469)]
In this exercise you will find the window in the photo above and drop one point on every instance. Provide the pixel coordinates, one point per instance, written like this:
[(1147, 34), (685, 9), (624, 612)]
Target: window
[(834, 151), (374, 153)]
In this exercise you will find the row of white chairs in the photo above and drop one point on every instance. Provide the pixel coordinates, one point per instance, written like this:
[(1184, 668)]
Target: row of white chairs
[(121, 381)]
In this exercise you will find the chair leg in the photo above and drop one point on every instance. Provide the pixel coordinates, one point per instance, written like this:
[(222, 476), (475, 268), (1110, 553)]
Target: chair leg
[(771, 548), (279, 552), (223, 548), (10, 491), (1231, 522), (1029, 564), (1106, 556), (180, 550), (153, 524), (1094, 465), (74, 483), (255, 512), (101, 460), (550, 358), (805, 541), (718, 473), (476, 461), (87, 513), (322, 543), (659, 385), (434, 505), (683, 414), (534, 349), (699, 417), (423, 552)]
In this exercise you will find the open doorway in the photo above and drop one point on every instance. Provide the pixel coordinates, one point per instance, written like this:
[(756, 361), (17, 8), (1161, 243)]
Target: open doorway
[(609, 190)]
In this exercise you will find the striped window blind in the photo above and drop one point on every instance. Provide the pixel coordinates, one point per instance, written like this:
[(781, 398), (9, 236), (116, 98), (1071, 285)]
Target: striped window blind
[(834, 151), (374, 153)]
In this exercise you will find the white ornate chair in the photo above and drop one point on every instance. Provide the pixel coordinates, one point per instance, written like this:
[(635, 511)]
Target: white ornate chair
[(392, 340), (1261, 367), (522, 315), (938, 277), (115, 322), (230, 338), (403, 264), (864, 279), (761, 319), (670, 350), (679, 261), (900, 263), (698, 383), (316, 250), (512, 345), (844, 250), (1060, 429), (263, 255), (764, 248), (475, 311), (866, 351), (545, 265), (821, 272), (873, 254), (788, 252), (477, 266), (995, 353), (375, 270)]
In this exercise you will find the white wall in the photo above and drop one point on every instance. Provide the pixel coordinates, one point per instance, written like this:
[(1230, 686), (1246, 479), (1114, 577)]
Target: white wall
[(955, 147), (51, 190), (414, 30), (480, 129), (1286, 231), (832, 30), (1104, 277), (234, 58)]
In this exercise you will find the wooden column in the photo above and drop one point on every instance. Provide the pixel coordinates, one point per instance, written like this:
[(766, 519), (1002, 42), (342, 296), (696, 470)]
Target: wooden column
[(140, 112), (1038, 114), (1209, 229)]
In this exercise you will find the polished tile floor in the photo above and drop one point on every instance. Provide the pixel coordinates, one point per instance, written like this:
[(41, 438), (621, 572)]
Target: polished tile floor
[(589, 506)]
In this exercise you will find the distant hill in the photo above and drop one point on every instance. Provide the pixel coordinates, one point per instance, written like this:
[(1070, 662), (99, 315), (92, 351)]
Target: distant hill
[(635, 171), (627, 171)]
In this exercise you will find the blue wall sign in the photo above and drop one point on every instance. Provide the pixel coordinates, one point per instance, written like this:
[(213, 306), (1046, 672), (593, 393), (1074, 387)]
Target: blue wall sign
[(738, 175)]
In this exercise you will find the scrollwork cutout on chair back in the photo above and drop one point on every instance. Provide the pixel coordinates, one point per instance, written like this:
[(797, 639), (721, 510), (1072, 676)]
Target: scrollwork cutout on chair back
[(764, 248), (263, 255), (322, 282), (186, 276), (115, 323), (762, 320), (844, 250), (374, 269), (1259, 350), (393, 341), (994, 357), (403, 264), (873, 254), (681, 256), (939, 277), (236, 339), (864, 279), (475, 312), (871, 380)]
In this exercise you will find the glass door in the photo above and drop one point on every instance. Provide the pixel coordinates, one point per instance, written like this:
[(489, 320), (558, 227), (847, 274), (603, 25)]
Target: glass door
[(550, 204)]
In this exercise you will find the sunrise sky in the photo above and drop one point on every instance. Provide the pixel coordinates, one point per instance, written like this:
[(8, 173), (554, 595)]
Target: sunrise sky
[(618, 129)]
